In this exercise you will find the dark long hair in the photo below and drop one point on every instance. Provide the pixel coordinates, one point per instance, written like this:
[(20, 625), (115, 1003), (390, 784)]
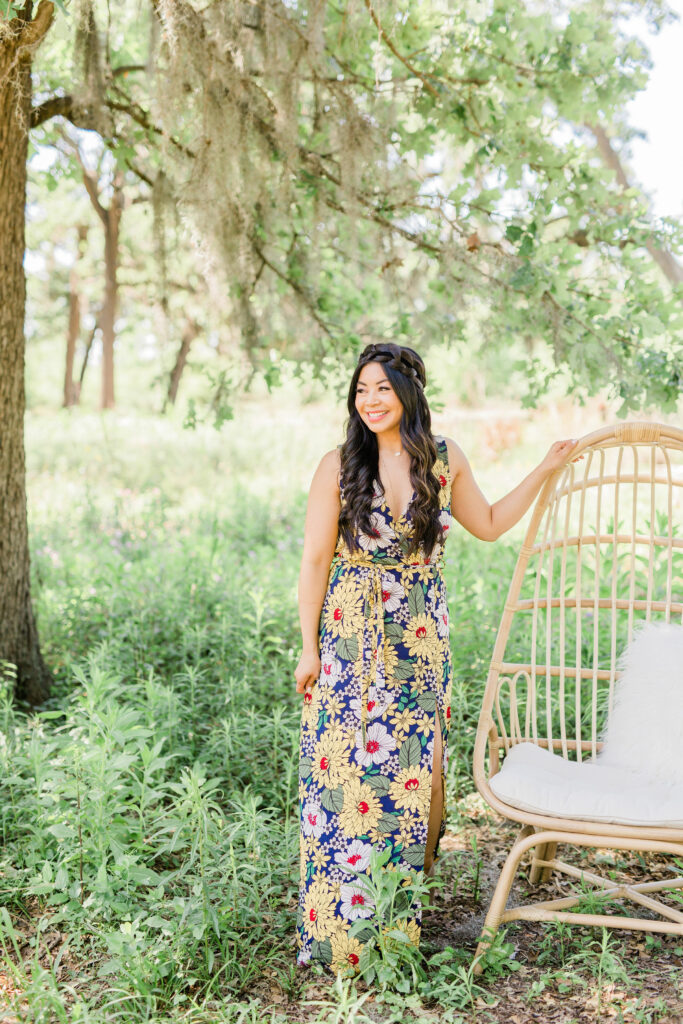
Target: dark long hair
[(360, 454)]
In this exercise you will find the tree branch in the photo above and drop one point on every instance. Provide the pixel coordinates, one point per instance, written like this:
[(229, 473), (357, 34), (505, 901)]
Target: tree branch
[(406, 63), (668, 264)]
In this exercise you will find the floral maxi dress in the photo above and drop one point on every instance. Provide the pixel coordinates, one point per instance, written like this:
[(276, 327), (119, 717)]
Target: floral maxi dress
[(367, 728)]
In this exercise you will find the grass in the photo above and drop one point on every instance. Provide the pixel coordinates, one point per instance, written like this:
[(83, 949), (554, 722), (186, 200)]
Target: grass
[(148, 812)]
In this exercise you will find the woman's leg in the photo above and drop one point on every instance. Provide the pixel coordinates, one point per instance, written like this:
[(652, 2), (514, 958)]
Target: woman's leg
[(437, 799)]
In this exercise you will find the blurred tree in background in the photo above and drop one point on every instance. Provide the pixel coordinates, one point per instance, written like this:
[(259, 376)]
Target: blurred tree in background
[(325, 175)]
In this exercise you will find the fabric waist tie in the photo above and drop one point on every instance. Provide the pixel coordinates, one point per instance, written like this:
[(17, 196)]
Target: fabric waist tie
[(373, 610)]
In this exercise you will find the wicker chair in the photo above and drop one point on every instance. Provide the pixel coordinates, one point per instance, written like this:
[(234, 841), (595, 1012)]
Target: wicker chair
[(602, 552)]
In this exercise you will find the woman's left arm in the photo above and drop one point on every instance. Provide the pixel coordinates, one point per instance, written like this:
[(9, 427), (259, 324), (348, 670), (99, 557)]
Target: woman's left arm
[(472, 510)]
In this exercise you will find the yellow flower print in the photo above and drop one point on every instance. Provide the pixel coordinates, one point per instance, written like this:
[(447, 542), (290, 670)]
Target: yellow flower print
[(331, 764), (319, 903), (425, 726), (405, 827), (402, 721), (390, 660), (421, 638), (344, 612), (361, 809), (346, 952), (333, 706), (320, 859), (412, 789)]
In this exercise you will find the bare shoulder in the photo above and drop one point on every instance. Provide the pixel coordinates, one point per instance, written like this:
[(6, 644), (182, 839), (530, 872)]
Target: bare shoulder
[(457, 459), (329, 468)]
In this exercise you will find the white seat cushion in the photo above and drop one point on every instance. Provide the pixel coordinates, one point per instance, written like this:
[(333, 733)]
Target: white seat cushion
[(533, 779)]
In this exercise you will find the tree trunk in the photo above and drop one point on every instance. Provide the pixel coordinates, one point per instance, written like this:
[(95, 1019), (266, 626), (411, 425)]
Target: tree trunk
[(72, 389), (190, 332), (18, 633), (73, 330), (112, 220)]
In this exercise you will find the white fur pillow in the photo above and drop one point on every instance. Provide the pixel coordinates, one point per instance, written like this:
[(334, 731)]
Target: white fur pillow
[(645, 729)]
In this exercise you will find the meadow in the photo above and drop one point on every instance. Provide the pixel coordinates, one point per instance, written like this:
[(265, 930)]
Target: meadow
[(148, 811)]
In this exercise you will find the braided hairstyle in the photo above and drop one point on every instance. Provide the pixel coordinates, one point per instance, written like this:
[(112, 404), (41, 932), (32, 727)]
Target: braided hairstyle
[(360, 453)]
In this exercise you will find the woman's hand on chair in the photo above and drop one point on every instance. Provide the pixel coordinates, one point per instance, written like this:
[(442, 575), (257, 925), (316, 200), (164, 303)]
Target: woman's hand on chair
[(307, 671), (558, 454)]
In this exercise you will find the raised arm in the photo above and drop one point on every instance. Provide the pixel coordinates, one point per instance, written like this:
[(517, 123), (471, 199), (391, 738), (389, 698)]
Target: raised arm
[(320, 538), (472, 510)]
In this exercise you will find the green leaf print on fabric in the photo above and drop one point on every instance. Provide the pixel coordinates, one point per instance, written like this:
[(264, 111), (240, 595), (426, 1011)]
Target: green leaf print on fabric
[(416, 600), (393, 631), (380, 783), (347, 648), (322, 951), (415, 854), (404, 670), (427, 701), (305, 767), (387, 823), (332, 799), (410, 752)]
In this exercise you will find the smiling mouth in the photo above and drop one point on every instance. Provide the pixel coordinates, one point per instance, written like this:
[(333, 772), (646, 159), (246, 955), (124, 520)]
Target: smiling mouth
[(376, 415)]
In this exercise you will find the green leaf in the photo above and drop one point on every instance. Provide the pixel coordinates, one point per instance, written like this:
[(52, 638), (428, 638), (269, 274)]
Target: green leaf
[(332, 799), (322, 951), (393, 631), (387, 823), (347, 648), (379, 783), (427, 701), (404, 669), (305, 764), (410, 752), (416, 600), (415, 854)]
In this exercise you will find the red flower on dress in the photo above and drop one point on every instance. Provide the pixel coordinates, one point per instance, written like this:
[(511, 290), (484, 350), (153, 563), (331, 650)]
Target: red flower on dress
[(412, 784), (442, 480), (421, 631), (363, 807)]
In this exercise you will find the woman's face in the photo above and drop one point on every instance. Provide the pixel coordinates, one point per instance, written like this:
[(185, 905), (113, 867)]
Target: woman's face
[(377, 403)]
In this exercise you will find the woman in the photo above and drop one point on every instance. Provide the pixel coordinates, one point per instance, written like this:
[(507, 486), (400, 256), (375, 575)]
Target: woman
[(375, 672)]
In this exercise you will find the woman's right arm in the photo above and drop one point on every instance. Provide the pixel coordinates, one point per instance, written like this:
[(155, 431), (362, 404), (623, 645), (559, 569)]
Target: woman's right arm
[(320, 538)]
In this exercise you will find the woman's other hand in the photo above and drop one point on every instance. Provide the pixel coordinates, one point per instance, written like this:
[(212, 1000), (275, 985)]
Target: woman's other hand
[(306, 672), (558, 453)]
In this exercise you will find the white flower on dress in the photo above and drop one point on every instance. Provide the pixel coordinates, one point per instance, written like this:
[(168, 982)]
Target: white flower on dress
[(355, 901), (446, 520), (330, 668), (378, 745), (314, 819), (379, 700), (392, 592), (381, 533), (356, 857), (442, 619)]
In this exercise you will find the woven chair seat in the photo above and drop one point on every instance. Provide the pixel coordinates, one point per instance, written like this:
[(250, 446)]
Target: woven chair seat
[(533, 779)]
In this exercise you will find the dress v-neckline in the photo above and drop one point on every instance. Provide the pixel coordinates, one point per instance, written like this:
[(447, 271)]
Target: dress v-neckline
[(386, 508)]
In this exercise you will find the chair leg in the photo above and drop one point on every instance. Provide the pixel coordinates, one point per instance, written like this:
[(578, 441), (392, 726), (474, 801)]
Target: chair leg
[(500, 897), (550, 854), (539, 873)]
